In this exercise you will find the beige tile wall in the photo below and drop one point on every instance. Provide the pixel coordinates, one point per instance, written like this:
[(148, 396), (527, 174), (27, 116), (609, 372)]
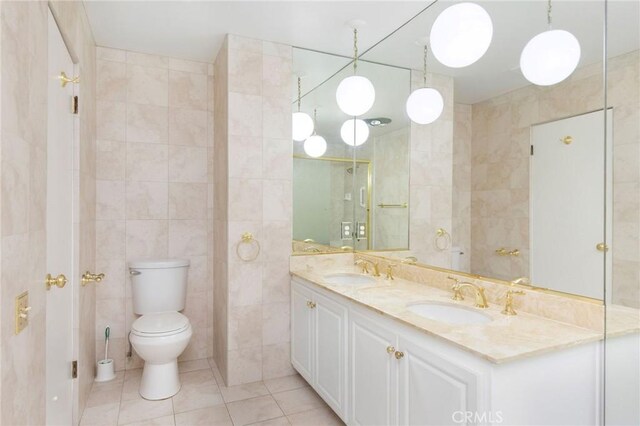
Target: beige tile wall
[(256, 192), (23, 77), (431, 176), (500, 168), (154, 159), (461, 226)]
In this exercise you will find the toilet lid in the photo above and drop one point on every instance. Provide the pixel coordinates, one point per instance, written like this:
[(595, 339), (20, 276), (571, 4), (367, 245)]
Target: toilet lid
[(160, 323)]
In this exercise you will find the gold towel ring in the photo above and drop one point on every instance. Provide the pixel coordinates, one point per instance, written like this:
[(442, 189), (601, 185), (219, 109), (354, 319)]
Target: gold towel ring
[(442, 234), (247, 238)]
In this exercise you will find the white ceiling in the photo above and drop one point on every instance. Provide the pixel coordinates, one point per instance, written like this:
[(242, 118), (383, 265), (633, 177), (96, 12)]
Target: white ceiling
[(195, 29)]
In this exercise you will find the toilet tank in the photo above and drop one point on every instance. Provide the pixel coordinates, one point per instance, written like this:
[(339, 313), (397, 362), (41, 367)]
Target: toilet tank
[(158, 285)]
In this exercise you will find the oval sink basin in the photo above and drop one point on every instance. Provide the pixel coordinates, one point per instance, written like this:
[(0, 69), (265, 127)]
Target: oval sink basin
[(348, 279), (450, 314)]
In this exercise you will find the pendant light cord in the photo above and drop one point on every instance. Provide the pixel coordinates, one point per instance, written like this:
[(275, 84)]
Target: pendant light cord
[(549, 13), (299, 93), (424, 67), (315, 120), (355, 50)]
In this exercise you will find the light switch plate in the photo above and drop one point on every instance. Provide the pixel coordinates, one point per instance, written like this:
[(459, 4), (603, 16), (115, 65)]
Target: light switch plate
[(22, 305)]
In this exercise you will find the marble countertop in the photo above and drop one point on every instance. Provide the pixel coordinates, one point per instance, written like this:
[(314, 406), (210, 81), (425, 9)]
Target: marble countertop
[(504, 339)]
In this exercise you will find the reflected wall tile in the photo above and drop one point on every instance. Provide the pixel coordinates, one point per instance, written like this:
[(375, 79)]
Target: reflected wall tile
[(111, 120), (147, 200), (187, 127), (147, 162), (187, 90), (147, 85), (111, 78), (187, 164), (147, 238), (188, 200), (109, 200), (110, 160), (147, 123), (187, 238)]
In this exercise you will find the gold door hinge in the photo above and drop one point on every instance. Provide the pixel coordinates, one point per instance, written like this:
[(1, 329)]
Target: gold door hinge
[(74, 369), (74, 105)]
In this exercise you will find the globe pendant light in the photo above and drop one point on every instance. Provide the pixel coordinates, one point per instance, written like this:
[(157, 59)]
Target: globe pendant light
[(424, 105), (354, 132), (551, 56), (302, 124), (355, 94), (461, 34), (315, 146)]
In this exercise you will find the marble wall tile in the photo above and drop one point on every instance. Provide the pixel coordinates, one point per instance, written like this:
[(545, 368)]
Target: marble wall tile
[(187, 164), (187, 90), (109, 54), (277, 158), (147, 123), (147, 60), (277, 199), (111, 83), (276, 323), (111, 120), (188, 66), (147, 162), (245, 157), (245, 327), (188, 200), (245, 115), (147, 238), (109, 200), (110, 160), (110, 239), (147, 85), (245, 72), (187, 238), (147, 200), (187, 127)]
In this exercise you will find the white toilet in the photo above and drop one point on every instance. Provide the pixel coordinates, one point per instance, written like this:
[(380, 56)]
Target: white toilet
[(161, 334)]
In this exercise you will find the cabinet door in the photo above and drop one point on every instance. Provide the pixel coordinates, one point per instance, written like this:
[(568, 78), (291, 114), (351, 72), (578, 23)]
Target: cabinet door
[(330, 344), (432, 390), (373, 373), (301, 329)]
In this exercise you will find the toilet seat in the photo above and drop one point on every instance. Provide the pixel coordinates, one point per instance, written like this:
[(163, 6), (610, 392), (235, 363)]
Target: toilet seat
[(160, 324)]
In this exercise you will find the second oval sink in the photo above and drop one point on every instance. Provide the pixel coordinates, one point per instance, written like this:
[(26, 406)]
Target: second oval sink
[(347, 278), (449, 313)]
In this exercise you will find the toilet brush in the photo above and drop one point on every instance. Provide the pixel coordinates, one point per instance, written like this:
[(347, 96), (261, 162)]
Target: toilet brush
[(107, 331)]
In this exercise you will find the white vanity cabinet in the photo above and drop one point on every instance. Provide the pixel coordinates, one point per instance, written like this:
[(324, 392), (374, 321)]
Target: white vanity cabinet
[(374, 370), (319, 344)]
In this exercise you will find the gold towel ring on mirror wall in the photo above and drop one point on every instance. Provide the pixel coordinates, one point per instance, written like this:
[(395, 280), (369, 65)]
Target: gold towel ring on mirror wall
[(442, 235), (248, 239)]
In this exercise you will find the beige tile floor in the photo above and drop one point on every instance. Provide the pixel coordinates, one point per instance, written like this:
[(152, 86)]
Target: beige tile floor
[(204, 400)]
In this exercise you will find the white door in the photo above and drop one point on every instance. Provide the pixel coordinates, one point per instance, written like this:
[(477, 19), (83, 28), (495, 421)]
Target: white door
[(568, 204), (373, 370), (432, 391), (301, 329), (330, 334), (60, 125)]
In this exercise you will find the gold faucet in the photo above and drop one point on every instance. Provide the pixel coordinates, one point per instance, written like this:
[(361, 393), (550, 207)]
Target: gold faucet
[(390, 271), (364, 263), (481, 298), (508, 307), (410, 260)]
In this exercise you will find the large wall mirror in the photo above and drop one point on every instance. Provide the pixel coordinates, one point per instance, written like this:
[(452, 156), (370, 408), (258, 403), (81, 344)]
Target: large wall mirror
[(513, 179)]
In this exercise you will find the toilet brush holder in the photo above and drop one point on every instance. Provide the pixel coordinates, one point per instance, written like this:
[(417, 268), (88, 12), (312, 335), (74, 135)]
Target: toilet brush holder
[(106, 370)]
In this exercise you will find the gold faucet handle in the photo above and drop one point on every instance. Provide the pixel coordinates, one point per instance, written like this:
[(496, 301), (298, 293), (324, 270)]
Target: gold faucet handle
[(508, 306), (376, 269), (390, 271), (88, 277), (363, 264)]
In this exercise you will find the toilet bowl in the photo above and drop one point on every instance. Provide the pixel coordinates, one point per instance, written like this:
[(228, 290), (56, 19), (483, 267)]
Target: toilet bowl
[(159, 338), (161, 333)]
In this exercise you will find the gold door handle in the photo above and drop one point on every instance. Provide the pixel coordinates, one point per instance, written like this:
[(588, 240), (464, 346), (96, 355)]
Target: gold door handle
[(399, 355), (59, 281), (390, 349), (64, 80), (602, 247), (88, 277)]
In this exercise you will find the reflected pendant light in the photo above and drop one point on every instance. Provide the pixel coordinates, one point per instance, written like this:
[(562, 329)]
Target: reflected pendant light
[(355, 94), (354, 132), (301, 123), (315, 146), (551, 56), (424, 105), (461, 34)]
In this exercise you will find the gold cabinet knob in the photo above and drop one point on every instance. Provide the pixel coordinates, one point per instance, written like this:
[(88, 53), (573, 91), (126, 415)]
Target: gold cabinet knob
[(59, 281), (88, 277), (399, 355), (567, 140), (602, 247), (390, 349)]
